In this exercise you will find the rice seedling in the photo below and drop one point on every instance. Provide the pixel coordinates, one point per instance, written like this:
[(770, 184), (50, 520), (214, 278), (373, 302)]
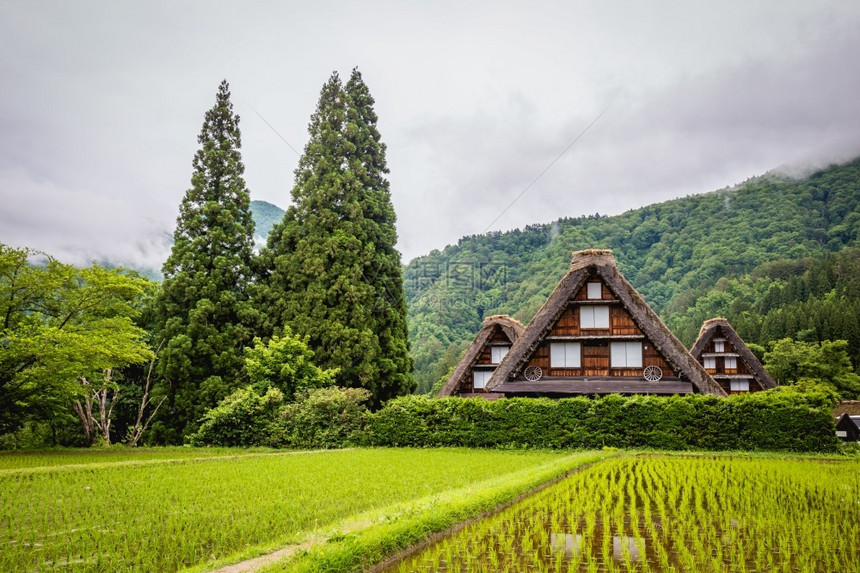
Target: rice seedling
[(674, 513), (159, 515)]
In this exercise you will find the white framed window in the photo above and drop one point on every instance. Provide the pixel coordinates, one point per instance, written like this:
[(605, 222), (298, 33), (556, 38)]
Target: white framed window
[(594, 317), (480, 378), (710, 363), (731, 362), (740, 385), (625, 354), (565, 355), (719, 345), (594, 291), (497, 353)]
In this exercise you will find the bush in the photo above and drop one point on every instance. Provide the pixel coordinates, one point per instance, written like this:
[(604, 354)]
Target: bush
[(780, 419), (242, 419), (322, 418)]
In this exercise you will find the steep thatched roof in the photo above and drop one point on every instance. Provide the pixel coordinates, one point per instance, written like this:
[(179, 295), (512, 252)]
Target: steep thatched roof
[(512, 329), (601, 263), (710, 327), (847, 407)]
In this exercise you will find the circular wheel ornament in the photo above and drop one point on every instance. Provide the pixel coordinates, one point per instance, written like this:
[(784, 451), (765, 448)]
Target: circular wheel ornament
[(653, 373), (533, 373)]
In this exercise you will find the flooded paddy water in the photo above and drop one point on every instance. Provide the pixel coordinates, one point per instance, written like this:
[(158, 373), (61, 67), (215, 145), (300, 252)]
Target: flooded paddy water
[(668, 513)]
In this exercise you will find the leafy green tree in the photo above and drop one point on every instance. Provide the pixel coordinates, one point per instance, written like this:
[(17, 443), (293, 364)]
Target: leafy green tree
[(331, 270), (62, 331), (204, 312), (285, 363), (791, 361)]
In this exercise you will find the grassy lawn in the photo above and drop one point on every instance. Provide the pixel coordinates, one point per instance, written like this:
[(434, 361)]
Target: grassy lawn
[(164, 510)]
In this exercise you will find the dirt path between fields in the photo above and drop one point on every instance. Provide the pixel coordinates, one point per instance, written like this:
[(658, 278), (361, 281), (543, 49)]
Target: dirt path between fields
[(257, 563)]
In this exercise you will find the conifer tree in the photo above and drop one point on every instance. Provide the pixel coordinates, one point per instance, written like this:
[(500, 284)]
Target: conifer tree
[(331, 270), (205, 315)]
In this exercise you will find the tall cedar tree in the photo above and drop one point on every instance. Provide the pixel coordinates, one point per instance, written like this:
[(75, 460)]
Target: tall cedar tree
[(331, 269), (204, 310)]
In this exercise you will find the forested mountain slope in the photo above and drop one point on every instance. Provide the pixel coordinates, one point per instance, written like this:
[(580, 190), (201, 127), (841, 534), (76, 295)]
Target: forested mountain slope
[(756, 253)]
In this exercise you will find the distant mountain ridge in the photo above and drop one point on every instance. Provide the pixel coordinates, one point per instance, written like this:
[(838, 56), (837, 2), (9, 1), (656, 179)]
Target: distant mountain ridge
[(675, 253), (265, 216)]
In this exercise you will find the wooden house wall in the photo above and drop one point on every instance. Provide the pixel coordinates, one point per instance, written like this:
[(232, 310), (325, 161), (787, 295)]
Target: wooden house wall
[(620, 323), (595, 354), (605, 293)]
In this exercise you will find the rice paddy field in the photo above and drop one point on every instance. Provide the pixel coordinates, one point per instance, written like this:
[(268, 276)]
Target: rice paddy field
[(165, 510), (669, 513)]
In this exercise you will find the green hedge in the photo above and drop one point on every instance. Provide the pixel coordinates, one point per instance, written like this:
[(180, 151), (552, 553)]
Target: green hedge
[(774, 420)]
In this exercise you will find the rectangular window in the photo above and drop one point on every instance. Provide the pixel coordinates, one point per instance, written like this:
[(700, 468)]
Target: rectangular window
[(731, 363), (740, 385), (710, 363), (719, 345), (626, 354), (497, 353), (594, 317), (480, 378), (565, 355), (594, 291)]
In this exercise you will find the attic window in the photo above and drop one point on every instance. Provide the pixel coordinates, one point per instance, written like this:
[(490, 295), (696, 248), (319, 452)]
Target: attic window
[(731, 362), (626, 354), (480, 379), (594, 317), (719, 345), (497, 353), (594, 291), (710, 363)]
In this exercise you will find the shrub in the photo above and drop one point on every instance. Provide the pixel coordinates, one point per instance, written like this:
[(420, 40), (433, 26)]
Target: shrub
[(321, 418), (242, 419)]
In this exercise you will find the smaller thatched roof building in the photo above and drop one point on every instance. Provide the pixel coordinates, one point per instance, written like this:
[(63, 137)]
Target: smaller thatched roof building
[(497, 335), (729, 360)]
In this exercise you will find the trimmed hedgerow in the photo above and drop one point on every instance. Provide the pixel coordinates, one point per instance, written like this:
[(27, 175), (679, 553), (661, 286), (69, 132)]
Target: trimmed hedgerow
[(775, 420)]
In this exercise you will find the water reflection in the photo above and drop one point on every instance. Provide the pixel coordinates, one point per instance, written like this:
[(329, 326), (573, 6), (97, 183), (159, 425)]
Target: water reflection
[(567, 542)]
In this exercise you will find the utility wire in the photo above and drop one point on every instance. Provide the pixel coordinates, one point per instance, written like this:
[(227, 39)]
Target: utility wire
[(276, 131), (541, 174)]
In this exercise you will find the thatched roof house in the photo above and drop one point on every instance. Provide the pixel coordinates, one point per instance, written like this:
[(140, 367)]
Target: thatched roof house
[(728, 359), (490, 346), (597, 335)]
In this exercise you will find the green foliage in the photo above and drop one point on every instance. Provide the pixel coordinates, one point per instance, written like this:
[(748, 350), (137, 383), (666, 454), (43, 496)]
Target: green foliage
[(791, 361), (285, 363), (241, 419), (59, 324), (322, 418), (330, 270), (741, 253), (204, 312), (773, 420)]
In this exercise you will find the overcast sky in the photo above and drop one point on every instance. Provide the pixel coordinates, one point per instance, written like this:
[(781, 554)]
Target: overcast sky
[(101, 104)]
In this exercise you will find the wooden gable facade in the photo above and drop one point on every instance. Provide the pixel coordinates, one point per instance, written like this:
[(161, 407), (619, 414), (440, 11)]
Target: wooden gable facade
[(848, 428), (729, 360), (597, 335), (473, 372)]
